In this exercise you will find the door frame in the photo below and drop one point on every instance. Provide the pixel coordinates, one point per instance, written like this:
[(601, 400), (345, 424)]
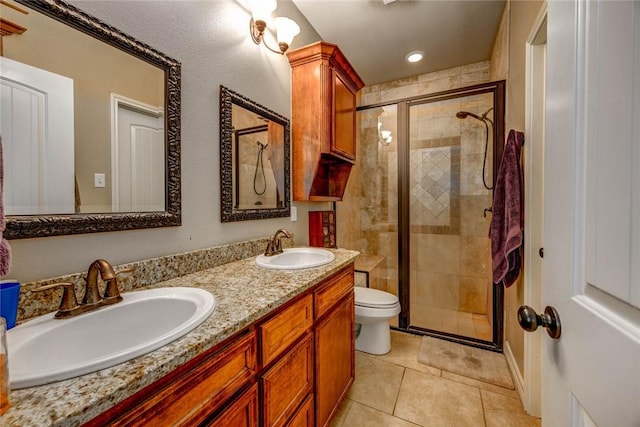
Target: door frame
[(116, 102), (529, 382)]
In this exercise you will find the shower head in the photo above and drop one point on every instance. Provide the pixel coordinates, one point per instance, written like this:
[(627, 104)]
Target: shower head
[(483, 118), (465, 114)]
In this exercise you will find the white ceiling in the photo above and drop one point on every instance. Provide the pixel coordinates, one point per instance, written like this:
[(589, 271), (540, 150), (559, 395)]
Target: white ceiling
[(376, 37)]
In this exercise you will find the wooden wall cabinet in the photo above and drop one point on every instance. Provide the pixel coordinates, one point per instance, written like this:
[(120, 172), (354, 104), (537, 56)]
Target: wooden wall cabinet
[(323, 125), (291, 368)]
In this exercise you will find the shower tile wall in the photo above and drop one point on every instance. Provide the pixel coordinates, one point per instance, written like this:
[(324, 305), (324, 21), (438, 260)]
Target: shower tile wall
[(423, 84), (247, 159), (450, 263), (248, 198)]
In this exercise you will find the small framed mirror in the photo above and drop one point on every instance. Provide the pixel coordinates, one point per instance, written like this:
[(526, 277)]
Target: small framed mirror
[(255, 153)]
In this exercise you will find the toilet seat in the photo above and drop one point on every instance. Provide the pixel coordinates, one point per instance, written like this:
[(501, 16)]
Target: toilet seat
[(373, 298)]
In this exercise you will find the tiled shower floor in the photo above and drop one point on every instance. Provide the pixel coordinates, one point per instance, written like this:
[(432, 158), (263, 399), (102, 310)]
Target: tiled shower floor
[(395, 390), (452, 321)]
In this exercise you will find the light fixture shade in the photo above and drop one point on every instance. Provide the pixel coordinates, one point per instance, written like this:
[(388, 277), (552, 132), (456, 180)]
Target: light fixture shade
[(286, 30), (261, 10)]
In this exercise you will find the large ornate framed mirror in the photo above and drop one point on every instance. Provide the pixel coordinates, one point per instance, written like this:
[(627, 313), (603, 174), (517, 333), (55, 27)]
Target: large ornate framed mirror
[(107, 157), (255, 153)]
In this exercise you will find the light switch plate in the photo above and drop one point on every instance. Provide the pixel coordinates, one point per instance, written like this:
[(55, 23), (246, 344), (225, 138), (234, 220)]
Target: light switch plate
[(294, 213), (99, 180)]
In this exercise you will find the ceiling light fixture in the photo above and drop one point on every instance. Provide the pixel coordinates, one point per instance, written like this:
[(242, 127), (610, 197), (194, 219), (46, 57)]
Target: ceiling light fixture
[(286, 29), (414, 56)]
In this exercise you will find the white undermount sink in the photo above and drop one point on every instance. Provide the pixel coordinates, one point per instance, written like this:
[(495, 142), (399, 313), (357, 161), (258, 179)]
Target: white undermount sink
[(45, 350), (296, 258)]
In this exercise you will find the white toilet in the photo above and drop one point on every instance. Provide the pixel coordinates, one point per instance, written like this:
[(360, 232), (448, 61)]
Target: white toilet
[(374, 309)]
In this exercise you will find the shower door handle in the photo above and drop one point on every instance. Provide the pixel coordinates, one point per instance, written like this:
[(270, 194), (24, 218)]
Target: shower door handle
[(529, 320)]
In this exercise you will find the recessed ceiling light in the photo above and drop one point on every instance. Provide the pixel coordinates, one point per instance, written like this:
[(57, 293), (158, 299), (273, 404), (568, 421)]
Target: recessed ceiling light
[(414, 56)]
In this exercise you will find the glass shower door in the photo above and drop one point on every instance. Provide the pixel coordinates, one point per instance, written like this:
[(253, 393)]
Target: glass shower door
[(378, 198), (450, 168)]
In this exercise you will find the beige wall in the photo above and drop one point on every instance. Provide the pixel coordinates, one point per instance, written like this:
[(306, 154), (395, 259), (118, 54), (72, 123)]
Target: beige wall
[(97, 69), (510, 50), (212, 42)]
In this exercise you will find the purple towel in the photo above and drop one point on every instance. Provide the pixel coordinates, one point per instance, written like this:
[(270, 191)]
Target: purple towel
[(506, 222), (5, 252)]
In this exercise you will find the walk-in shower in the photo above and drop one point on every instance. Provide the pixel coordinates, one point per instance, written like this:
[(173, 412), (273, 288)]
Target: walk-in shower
[(425, 187)]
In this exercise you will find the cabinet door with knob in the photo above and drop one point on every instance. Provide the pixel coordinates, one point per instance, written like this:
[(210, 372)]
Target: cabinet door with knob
[(335, 345), (323, 125)]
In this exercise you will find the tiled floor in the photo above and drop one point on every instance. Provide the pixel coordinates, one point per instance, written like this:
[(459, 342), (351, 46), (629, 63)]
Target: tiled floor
[(395, 390)]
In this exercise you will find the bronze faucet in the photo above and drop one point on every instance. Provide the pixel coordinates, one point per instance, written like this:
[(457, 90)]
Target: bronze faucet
[(92, 293), (274, 247), (92, 300)]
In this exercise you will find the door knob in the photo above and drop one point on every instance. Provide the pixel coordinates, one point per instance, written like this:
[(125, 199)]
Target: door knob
[(530, 320)]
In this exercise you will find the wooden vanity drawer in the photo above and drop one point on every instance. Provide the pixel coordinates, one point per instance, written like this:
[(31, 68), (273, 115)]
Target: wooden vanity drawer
[(304, 415), (243, 412), (282, 330), (333, 291), (287, 383), (190, 398)]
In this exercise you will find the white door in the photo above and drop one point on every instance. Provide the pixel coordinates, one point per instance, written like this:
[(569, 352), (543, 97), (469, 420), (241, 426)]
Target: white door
[(138, 174), (591, 374), (36, 124)]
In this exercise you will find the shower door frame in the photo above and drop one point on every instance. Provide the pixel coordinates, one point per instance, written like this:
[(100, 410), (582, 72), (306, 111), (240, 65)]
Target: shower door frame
[(498, 90)]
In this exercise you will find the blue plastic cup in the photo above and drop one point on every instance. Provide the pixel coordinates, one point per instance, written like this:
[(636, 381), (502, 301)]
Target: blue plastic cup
[(9, 294)]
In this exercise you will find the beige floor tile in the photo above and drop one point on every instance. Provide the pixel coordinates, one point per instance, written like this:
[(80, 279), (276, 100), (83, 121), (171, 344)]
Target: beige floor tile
[(363, 416), (377, 383), (501, 411), (338, 421), (404, 352), (432, 401), (480, 384)]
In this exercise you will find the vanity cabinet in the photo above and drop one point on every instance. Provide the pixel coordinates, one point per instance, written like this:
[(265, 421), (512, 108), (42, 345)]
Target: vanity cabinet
[(335, 345), (193, 393), (284, 328), (242, 412), (293, 367), (286, 339), (287, 383), (324, 87)]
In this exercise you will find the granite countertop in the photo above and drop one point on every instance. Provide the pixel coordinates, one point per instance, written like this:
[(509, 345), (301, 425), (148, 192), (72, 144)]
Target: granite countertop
[(244, 293)]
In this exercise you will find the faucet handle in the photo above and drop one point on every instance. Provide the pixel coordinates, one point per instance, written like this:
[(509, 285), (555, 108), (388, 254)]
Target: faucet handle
[(111, 292), (68, 304)]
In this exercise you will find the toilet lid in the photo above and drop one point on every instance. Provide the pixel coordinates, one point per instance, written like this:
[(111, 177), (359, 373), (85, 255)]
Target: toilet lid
[(368, 297)]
